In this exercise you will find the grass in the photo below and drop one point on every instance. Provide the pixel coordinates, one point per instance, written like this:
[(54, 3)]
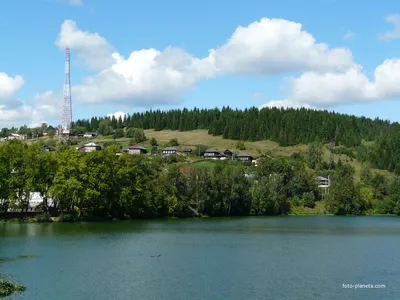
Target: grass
[(194, 138), (318, 210)]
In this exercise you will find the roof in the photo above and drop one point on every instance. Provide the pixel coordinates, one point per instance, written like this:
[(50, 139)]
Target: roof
[(137, 147), (322, 178), (91, 145), (187, 150), (244, 155), (170, 148)]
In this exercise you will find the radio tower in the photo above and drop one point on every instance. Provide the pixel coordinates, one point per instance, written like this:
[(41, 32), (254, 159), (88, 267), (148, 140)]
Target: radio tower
[(66, 118)]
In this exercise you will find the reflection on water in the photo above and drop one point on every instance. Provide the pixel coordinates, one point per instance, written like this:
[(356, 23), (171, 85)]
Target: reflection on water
[(222, 258)]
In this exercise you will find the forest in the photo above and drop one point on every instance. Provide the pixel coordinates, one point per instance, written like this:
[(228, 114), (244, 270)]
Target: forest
[(103, 185), (376, 142)]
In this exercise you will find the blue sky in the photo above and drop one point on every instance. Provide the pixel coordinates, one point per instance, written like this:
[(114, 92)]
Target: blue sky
[(180, 72)]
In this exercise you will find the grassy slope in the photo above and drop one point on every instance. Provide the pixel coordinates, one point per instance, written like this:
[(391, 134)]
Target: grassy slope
[(196, 137)]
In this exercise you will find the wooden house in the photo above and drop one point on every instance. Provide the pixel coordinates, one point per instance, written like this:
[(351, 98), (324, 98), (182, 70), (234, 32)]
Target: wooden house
[(186, 151), (245, 157), (90, 147), (218, 154), (90, 135), (15, 136), (169, 150), (136, 149)]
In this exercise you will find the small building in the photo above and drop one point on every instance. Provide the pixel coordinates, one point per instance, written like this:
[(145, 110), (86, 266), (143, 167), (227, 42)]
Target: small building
[(323, 181), (186, 151), (245, 157), (90, 135), (90, 147), (136, 149), (218, 154), (169, 150), (15, 136)]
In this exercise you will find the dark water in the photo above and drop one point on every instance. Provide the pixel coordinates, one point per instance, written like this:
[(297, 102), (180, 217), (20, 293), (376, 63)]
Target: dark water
[(246, 258)]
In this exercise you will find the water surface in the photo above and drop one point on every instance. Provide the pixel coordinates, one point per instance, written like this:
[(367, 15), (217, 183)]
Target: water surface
[(238, 258)]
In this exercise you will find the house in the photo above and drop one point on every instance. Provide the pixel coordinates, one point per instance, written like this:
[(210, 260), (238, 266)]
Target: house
[(136, 149), (14, 136), (90, 135), (323, 181), (90, 147), (218, 154), (169, 150), (245, 157), (186, 151)]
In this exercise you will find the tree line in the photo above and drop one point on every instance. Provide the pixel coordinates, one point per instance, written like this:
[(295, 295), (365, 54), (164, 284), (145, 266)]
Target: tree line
[(286, 126), (105, 185)]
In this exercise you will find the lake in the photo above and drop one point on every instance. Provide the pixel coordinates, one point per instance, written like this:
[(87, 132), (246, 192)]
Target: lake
[(222, 258)]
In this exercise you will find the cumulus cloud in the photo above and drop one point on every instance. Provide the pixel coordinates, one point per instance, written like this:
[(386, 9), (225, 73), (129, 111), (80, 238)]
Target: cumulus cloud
[(117, 115), (326, 90), (276, 46), (150, 77), (92, 48), (14, 111), (393, 19)]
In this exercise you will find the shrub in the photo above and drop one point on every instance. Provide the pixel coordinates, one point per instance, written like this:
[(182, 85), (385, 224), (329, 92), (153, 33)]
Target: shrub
[(308, 199)]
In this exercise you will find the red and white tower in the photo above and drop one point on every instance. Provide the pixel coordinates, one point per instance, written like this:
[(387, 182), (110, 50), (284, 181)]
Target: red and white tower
[(66, 118)]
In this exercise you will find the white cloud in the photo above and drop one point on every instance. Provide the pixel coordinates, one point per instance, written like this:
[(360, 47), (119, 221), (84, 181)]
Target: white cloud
[(325, 90), (9, 85), (117, 115), (47, 106), (349, 35), (150, 77), (92, 48), (395, 33), (276, 46)]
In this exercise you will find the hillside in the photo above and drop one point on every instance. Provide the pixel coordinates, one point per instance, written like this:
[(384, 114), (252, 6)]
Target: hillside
[(194, 138)]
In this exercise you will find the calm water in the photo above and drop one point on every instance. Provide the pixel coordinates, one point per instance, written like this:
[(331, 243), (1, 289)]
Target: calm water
[(246, 258)]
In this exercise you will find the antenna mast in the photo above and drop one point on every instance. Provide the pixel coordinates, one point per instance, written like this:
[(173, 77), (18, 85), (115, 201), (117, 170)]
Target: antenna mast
[(66, 118)]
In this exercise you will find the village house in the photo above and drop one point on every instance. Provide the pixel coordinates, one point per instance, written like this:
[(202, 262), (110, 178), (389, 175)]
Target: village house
[(169, 150), (245, 157), (186, 151), (136, 149), (90, 147), (218, 154), (90, 135), (15, 136)]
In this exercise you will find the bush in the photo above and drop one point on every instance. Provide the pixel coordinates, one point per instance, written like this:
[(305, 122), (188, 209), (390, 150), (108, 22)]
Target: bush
[(240, 145), (8, 288), (67, 218), (173, 142), (308, 199), (296, 201)]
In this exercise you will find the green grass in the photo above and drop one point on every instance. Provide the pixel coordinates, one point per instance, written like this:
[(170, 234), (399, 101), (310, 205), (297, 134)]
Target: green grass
[(191, 139)]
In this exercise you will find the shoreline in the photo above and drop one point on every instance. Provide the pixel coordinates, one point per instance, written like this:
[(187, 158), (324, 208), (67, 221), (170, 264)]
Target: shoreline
[(295, 214)]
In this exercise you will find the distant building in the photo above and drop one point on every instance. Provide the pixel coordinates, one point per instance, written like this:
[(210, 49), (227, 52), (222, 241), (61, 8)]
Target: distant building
[(137, 149), (245, 157), (169, 150), (323, 181), (90, 147), (90, 135), (186, 151), (218, 154), (15, 136)]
